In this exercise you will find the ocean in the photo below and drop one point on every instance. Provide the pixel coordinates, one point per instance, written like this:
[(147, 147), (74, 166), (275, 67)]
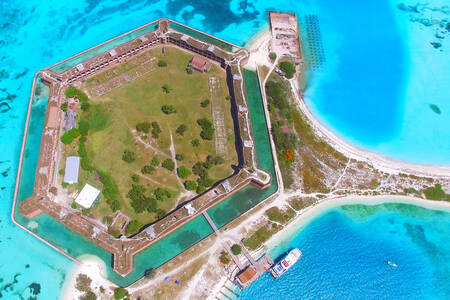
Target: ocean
[(345, 253), (384, 71)]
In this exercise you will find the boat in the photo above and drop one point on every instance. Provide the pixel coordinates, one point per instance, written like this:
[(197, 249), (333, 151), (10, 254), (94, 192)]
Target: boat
[(286, 263), (392, 264)]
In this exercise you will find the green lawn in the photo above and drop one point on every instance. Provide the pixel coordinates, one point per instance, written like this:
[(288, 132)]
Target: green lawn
[(140, 101)]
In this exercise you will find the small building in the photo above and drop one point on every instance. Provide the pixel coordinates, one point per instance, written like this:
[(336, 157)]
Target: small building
[(200, 64), (72, 168), (112, 52), (247, 277), (80, 67), (69, 120), (88, 195)]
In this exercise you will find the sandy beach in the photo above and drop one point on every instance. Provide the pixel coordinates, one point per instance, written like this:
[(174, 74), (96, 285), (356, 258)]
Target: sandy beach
[(93, 267), (307, 215)]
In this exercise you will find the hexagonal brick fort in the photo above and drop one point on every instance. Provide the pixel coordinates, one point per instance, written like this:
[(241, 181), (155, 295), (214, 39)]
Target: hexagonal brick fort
[(57, 78)]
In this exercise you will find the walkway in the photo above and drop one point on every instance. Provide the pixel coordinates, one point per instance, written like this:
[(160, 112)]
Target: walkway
[(225, 244)]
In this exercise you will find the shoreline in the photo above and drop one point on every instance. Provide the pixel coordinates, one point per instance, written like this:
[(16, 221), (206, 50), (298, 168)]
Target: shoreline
[(307, 215), (94, 268)]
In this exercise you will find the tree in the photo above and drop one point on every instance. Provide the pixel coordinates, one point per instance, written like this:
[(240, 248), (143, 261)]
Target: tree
[(162, 194), (120, 293), (155, 161), (183, 172), (272, 56), (143, 126), (201, 189), (139, 201), (70, 135), (128, 156), (135, 178), (133, 227), (156, 130), (224, 259), (179, 156), (83, 127), (207, 126), (166, 88), (83, 283), (195, 143), (168, 109), (190, 185), (288, 68), (181, 129), (204, 103), (236, 249), (160, 213), (64, 106), (148, 169), (168, 164), (162, 63)]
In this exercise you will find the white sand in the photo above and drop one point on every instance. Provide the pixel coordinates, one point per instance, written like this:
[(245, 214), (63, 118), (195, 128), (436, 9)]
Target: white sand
[(95, 269), (307, 215)]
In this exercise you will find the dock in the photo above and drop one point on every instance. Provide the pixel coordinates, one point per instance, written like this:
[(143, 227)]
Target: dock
[(247, 274)]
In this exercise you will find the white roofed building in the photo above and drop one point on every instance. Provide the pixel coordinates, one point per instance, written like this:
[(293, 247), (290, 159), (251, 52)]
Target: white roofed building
[(87, 196), (72, 168)]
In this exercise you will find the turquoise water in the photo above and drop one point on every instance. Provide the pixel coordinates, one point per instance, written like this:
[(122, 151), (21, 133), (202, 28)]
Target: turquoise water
[(36, 34), (345, 254)]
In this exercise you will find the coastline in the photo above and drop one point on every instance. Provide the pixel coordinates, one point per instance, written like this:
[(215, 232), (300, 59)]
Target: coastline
[(307, 215), (93, 267)]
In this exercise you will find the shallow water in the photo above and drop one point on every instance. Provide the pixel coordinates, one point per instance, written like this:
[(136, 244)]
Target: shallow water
[(36, 34), (345, 254)]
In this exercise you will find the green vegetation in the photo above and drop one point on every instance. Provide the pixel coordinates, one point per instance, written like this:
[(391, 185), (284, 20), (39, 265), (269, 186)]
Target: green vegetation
[(64, 106), (133, 227), (201, 189), (114, 232), (207, 126), (135, 178), (162, 63), (288, 68), (120, 293), (168, 109), (156, 130), (236, 249), (190, 185), (276, 215), (205, 103), (70, 135), (272, 56), (128, 156), (72, 92), (183, 172), (224, 258), (83, 283), (436, 193), (181, 129), (166, 88), (83, 127), (179, 157), (195, 143), (168, 164), (144, 127), (148, 169), (259, 237)]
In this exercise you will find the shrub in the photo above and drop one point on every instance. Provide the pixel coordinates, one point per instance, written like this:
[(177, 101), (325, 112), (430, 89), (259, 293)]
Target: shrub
[(166, 88), (236, 249), (64, 184), (435, 193), (168, 164), (128, 156), (162, 63), (183, 172), (83, 283), (148, 169), (64, 106), (53, 190), (133, 227), (190, 185), (207, 126), (70, 135), (162, 194), (85, 106), (160, 213), (74, 205), (214, 160), (155, 161), (107, 220), (135, 178), (144, 127), (181, 129), (156, 130), (83, 127), (204, 103), (201, 189), (139, 201), (179, 156), (272, 56), (224, 259), (168, 109), (114, 232), (288, 68), (188, 70), (195, 143), (120, 293)]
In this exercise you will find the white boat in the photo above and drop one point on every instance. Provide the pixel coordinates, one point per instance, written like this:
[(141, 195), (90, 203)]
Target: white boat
[(286, 263), (392, 264)]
